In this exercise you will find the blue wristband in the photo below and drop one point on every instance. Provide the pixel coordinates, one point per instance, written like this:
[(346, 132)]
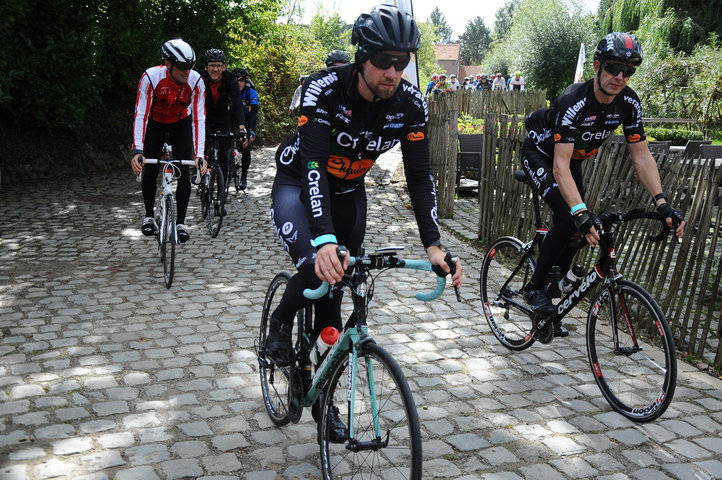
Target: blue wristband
[(324, 239), (577, 207)]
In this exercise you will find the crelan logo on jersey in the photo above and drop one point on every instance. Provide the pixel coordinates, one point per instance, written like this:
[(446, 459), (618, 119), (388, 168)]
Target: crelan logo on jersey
[(312, 165), (302, 120), (415, 136)]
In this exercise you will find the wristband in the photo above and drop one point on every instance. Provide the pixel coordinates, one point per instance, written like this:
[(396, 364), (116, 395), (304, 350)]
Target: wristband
[(577, 207), (324, 239), (660, 196)]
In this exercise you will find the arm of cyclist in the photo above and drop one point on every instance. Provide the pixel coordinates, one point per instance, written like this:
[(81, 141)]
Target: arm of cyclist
[(648, 174), (584, 220), (327, 265), (136, 163)]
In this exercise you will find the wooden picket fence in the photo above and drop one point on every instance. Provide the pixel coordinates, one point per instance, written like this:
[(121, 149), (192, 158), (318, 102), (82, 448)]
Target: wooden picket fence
[(684, 276)]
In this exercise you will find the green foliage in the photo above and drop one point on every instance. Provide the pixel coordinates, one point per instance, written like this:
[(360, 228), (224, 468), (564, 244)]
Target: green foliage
[(676, 135), (682, 86), (543, 43), (475, 42), (426, 57), (468, 125), (441, 27), (504, 19), (331, 33)]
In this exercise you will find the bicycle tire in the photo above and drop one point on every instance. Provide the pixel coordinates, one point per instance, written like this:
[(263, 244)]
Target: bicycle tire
[(510, 324), (638, 384), (397, 415), (168, 236), (216, 202), (275, 381)]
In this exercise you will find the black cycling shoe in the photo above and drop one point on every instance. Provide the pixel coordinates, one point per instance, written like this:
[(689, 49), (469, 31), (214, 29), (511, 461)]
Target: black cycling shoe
[(561, 332), (149, 227), (278, 343), (224, 212), (244, 184), (538, 301), (183, 235), (338, 431)]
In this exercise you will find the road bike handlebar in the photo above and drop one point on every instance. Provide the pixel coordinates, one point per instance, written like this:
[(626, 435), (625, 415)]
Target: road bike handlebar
[(385, 261), (190, 163), (608, 219)]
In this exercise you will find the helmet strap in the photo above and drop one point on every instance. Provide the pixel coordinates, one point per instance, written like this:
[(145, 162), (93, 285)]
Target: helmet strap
[(599, 80), (361, 73)]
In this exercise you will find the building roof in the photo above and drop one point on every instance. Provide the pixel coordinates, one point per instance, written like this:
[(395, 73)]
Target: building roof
[(449, 51)]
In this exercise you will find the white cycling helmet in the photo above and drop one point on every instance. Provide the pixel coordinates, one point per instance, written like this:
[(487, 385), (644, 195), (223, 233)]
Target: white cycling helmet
[(178, 52)]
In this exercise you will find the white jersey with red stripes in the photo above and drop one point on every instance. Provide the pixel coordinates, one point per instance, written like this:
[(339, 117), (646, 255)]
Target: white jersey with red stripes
[(165, 101)]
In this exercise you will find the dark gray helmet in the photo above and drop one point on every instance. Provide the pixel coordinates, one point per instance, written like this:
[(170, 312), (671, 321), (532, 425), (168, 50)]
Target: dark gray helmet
[(337, 56), (386, 28), (178, 51), (619, 46), (240, 73), (215, 55)]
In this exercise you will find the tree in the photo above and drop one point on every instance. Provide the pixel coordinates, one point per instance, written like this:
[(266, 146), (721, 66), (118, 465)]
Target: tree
[(475, 42), (543, 43), (504, 20), (331, 33), (426, 60), (443, 30)]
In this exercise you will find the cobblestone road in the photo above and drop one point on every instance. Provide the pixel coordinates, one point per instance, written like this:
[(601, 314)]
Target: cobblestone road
[(106, 374)]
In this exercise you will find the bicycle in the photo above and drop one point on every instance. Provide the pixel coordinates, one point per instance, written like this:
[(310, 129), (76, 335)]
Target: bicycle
[(166, 233), (212, 189), (629, 343), (384, 436), (234, 163)]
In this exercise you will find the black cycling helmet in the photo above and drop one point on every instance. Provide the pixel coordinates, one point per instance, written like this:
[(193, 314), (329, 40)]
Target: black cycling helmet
[(215, 55), (178, 51), (240, 73), (337, 56), (619, 46), (386, 28)]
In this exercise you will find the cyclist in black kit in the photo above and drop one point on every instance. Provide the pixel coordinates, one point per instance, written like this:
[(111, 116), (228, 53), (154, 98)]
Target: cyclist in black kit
[(350, 114), (561, 137), (221, 90)]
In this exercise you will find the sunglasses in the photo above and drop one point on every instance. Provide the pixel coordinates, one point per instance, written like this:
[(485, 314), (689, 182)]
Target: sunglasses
[(384, 60), (183, 66), (615, 68)]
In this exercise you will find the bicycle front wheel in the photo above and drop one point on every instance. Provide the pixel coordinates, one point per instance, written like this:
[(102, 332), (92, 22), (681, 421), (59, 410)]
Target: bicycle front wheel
[(386, 437), (631, 352), (275, 381), (216, 202), (506, 268), (167, 240)]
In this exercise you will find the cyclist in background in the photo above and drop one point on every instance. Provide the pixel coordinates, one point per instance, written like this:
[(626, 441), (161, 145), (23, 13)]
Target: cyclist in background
[(249, 97), (561, 137), (221, 90), (337, 57), (516, 82), (170, 100)]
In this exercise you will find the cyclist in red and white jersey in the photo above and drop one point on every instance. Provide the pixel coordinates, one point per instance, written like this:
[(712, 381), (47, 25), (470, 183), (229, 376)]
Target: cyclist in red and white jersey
[(561, 137), (170, 101)]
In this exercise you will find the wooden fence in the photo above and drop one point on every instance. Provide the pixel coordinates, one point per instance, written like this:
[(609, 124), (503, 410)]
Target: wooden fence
[(684, 276)]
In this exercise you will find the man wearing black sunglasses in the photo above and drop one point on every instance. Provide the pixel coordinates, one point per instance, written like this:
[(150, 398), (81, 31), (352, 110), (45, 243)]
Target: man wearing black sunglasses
[(561, 137), (170, 101), (349, 115)]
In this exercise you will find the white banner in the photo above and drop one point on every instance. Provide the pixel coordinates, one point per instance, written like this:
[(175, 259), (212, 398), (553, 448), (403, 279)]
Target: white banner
[(411, 73), (580, 64)]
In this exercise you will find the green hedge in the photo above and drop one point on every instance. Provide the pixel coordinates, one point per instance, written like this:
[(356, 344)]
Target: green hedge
[(676, 136)]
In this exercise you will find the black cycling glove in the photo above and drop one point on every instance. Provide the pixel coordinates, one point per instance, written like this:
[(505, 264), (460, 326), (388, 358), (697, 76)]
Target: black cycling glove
[(667, 211), (585, 220)]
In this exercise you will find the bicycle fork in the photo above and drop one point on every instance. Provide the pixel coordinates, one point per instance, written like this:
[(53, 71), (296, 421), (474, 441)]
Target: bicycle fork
[(353, 444)]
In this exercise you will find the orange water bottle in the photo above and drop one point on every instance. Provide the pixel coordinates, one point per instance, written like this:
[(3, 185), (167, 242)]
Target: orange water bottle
[(328, 337)]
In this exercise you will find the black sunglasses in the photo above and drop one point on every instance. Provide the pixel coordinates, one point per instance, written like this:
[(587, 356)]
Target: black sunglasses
[(615, 68), (384, 60), (183, 66)]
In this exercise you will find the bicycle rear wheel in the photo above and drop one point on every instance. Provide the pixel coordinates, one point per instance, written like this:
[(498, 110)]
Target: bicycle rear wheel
[(505, 270), (216, 202), (275, 381), (638, 379), (167, 240), (393, 450)]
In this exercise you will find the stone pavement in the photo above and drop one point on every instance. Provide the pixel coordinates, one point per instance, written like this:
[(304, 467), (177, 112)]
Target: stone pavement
[(106, 374)]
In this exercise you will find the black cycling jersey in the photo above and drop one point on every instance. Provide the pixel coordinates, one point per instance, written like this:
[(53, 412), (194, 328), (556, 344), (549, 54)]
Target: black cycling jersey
[(577, 117), (343, 135), (218, 97)]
